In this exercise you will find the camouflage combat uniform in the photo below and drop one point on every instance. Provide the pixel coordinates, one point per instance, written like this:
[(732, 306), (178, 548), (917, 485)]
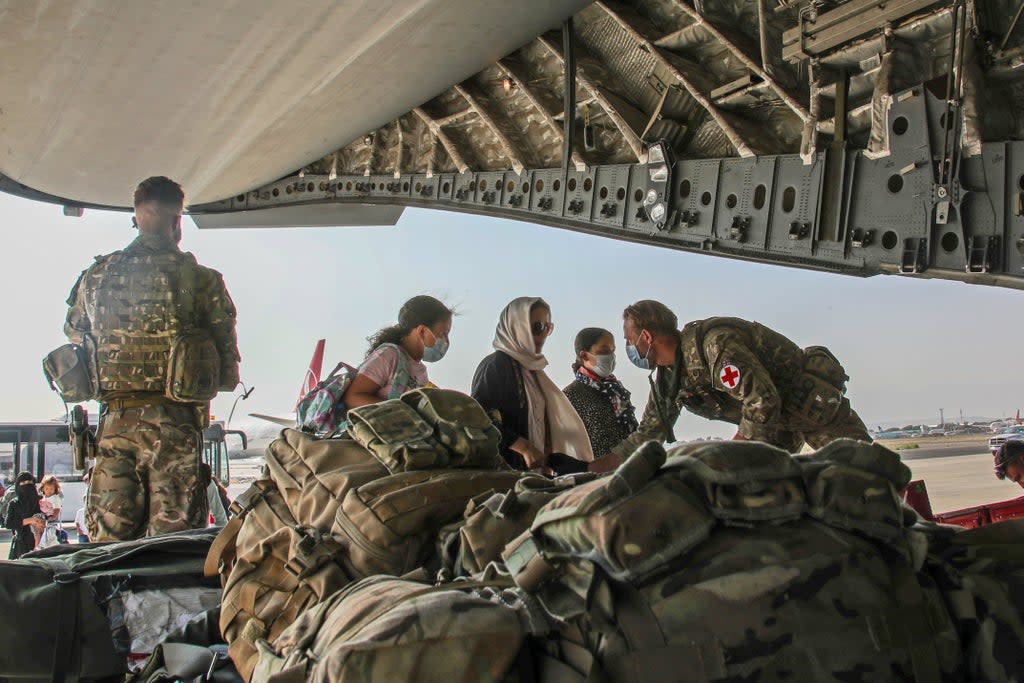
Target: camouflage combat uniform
[(742, 372), (132, 305)]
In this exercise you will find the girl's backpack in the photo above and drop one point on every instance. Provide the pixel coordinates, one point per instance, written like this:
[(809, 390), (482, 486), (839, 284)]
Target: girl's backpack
[(321, 410)]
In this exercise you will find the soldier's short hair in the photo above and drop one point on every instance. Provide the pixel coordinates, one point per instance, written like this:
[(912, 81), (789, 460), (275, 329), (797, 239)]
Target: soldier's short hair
[(1008, 453), (653, 316), (160, 189)]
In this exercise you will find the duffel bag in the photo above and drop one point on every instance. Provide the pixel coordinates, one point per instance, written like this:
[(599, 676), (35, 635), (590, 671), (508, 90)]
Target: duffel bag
[(80, 614)]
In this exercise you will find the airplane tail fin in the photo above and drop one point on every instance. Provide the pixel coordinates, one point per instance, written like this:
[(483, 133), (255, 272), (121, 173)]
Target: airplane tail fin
[(316, 365)]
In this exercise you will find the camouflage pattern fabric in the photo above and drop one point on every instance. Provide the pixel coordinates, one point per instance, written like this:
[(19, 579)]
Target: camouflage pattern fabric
[(491, 521), (388, 629), (742, 372), (389, 526), (277, 556), (981, 574), (460, 424), (146, 478), (737, 561), (135, 302), (427, 428)]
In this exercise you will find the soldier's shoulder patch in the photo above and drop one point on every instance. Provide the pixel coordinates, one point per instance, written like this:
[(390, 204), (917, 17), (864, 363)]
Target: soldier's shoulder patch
[(729, 375)]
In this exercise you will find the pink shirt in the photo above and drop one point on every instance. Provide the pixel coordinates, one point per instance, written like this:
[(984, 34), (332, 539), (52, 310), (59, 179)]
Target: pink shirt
[(379, 367)]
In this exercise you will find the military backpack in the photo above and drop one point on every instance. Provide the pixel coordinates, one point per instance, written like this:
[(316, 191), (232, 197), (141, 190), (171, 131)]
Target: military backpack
[(394, 630)]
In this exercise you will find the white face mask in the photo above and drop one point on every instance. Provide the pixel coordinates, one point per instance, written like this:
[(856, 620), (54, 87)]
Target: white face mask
[(604, 364)]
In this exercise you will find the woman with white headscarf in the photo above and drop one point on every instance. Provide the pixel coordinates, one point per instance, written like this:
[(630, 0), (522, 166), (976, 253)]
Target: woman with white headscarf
[(538, 425)]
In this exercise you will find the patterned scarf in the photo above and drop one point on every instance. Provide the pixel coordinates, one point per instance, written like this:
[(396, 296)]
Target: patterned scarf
[(617, 395)]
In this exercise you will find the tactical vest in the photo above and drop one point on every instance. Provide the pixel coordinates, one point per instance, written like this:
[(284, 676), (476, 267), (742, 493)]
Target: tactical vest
[(138, 304)]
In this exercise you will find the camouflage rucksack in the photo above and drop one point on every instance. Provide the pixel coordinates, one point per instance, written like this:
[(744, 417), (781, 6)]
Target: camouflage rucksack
[(389, 629), (390, 525), (276, 556), (493, 520), (427, 428), (736, 560), (981, 573), (330, 513)]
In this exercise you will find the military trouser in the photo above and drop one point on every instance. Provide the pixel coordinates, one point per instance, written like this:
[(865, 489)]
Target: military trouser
[(146, 478)]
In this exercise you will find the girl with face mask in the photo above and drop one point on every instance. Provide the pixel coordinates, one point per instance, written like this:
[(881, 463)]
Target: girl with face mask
[(600, 399), (395, 361)]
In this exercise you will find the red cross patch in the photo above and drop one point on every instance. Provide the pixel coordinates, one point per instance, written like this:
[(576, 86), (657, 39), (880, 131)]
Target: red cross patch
[(730, 376)]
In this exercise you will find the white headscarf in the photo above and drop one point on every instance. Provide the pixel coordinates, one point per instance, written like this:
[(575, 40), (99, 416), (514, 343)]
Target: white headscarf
[(543, 397)]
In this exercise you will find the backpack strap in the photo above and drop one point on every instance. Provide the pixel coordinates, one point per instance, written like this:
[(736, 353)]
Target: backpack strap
[(67, 581), (401, 381)]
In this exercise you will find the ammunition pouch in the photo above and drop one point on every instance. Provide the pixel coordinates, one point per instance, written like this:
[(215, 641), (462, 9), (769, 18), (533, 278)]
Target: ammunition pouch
[(71, 371), (193, 368)]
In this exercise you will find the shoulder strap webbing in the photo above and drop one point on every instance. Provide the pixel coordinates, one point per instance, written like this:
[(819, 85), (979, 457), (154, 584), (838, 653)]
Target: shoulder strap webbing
[(67, 582)]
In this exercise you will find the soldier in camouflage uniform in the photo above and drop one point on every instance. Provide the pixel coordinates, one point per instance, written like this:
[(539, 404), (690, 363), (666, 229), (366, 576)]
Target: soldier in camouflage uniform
[(131, 306), (736, 371)]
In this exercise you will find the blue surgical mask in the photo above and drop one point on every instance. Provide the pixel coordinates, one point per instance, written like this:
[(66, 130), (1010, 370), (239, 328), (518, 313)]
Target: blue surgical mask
[(432, 354), (636, 359), (604, 364)]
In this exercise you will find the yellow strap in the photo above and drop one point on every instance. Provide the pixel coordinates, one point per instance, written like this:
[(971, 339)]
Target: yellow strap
[(222, 550)]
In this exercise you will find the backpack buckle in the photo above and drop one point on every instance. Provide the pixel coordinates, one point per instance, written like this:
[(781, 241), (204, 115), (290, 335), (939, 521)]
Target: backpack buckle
[(312, 551)]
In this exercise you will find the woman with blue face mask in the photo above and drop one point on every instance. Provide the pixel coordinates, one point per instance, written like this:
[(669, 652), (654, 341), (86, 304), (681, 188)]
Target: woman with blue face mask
[(395, 362), (600, 399)]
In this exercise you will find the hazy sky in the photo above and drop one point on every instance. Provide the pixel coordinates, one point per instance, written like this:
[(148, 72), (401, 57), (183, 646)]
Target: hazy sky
[(910, 346)]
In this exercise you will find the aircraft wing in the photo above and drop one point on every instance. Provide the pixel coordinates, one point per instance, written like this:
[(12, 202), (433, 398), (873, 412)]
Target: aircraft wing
[(283, 421)]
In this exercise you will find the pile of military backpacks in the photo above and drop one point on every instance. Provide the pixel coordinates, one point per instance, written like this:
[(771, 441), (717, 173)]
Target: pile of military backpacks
[(408, 552)]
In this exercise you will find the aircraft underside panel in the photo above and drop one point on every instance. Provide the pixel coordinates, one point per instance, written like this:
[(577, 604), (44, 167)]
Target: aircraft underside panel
[(888, 214)]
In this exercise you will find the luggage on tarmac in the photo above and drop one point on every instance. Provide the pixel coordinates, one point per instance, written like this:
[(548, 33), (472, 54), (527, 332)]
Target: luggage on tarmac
[(81, 613), (730, 560)]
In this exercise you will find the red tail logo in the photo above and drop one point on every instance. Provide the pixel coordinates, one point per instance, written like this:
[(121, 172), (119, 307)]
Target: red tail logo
[(312, 377)]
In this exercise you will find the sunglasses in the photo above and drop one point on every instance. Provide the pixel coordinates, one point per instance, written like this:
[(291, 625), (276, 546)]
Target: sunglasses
[(541, 328)]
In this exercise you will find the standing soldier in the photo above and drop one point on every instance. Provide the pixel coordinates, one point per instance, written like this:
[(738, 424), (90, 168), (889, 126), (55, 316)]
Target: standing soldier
[(159, 330), (736, 371)]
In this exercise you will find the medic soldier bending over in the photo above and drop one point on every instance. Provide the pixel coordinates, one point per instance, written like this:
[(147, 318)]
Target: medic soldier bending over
[(740, 372), (160, 332)]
